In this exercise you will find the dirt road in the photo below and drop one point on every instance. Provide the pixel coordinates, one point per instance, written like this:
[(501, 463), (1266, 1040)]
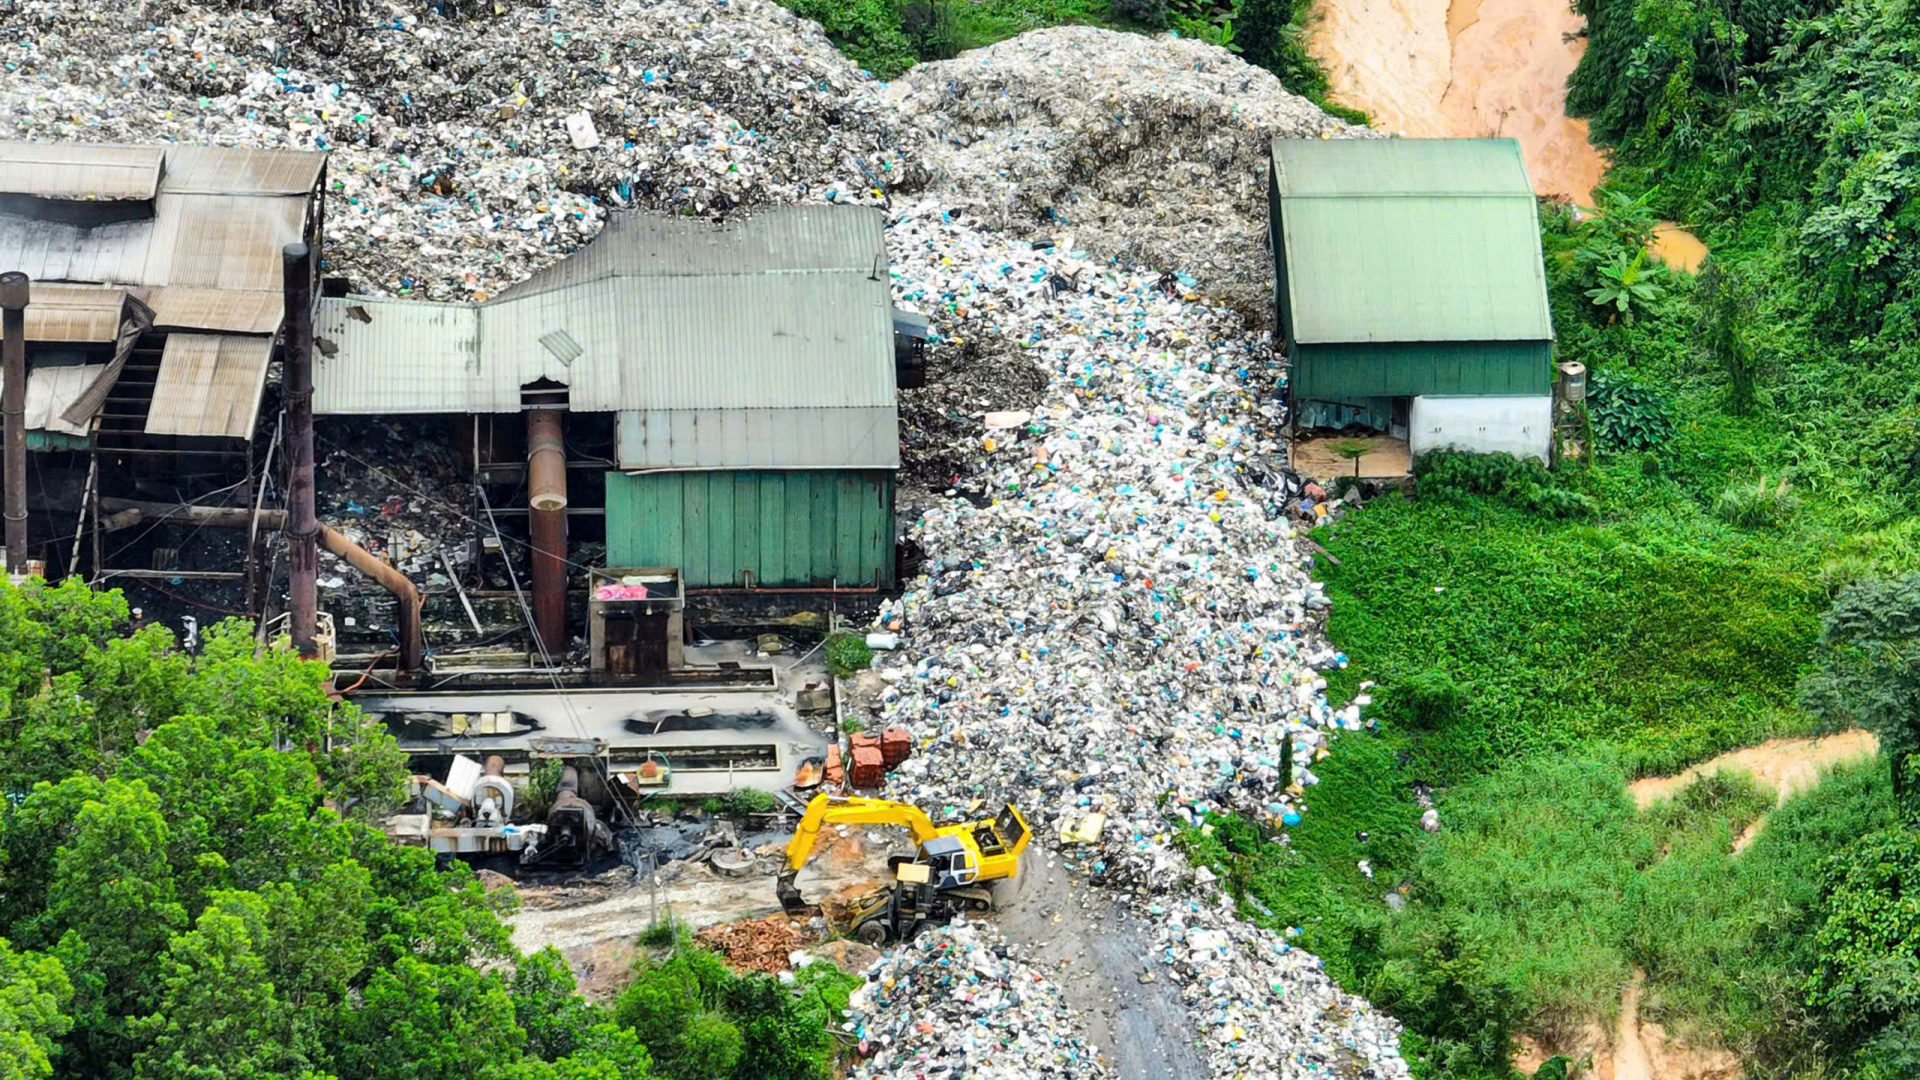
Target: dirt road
[(1788, 766), (1096, 952)]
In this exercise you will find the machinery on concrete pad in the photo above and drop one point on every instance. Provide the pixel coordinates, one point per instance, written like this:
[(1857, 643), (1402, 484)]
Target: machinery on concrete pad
[(952, 869)]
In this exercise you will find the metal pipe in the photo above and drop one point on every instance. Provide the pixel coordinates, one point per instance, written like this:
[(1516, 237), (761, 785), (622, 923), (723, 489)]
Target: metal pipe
[(412, 643), (547, 528), (303, 599), (14, 291)]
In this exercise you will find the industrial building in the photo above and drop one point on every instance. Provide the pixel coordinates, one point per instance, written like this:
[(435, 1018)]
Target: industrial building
[(1410, 299), (150, 305), (738, 383)]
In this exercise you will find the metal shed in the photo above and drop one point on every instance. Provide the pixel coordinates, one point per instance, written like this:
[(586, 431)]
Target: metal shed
[(750, 368), (194, 234), (1407, 268)]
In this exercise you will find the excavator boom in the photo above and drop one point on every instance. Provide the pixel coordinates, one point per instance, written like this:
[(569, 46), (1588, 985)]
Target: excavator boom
[(826, 810)]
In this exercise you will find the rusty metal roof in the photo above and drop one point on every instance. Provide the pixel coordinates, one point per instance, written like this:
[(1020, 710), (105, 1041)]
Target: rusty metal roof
[(209, 385), (238, 311), (74, 312), (219, 219), (80, 171)]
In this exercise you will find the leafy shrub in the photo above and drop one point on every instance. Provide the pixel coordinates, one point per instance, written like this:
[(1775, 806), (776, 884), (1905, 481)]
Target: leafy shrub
[(868, 31), (666, 932), (848, 653), (747, 800), (929, 26), (1757, 505), (1626, 414), (1868, 973), (1151, 14), (1522, 482), (1427, 699)]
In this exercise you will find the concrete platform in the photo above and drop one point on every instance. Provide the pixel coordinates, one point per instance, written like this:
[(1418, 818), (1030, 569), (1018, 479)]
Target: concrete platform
[(1319, 457)]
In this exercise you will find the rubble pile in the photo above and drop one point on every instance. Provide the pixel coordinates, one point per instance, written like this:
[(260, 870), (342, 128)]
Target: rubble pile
[(756, 944), (955, 1002), (1121, 636), (1153, 150), (472, 142)]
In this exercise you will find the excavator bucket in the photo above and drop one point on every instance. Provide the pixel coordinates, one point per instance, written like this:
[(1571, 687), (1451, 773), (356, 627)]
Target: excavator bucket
[(790, 899)]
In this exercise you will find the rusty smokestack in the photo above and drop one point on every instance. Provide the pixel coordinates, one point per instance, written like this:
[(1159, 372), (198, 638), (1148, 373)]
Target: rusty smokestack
[(547, 522), (296, 384), (13, 311)]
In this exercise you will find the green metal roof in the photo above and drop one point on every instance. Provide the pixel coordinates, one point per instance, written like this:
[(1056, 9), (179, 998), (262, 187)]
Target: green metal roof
[(1409, 240)]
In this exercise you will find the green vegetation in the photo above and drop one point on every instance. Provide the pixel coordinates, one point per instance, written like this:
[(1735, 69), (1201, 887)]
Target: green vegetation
[(703, 1022), (1731, 557), (886, 37), (180, 899), (743, 801), (848, 653)]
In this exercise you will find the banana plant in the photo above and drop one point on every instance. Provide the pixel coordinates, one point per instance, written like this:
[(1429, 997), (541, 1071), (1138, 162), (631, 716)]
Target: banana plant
[(1624, 282)]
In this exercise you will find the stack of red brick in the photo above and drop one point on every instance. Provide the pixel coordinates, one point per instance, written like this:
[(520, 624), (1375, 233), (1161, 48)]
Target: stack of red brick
[(874, 756)]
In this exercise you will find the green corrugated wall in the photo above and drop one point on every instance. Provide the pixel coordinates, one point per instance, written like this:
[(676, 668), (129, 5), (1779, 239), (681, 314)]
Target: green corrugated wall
[(1490, 368), (790, 528)]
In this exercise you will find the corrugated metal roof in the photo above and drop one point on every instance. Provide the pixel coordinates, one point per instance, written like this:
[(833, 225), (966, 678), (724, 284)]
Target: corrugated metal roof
[(52, 251), (819, 340), (1304, 168), (220, 217), (398, 356), (656, 440), (50, 390), (209, 384), (73, 312), (765, 345), (222, 241), (238, 311), (794, 238), (1410, 240), (226, 170), (80, 170)]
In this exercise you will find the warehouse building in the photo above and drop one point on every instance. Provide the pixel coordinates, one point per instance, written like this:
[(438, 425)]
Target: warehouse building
[(724, 395), (154, 296), (1410, 299)]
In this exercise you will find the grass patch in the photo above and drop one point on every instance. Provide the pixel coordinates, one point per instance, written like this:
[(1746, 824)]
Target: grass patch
[(1727, 942), (1497, 633)]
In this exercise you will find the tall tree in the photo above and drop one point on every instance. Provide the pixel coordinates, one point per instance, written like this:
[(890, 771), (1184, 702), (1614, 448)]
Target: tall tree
[(113, 898), (218, 1016), (1868, 671), (34, 993)]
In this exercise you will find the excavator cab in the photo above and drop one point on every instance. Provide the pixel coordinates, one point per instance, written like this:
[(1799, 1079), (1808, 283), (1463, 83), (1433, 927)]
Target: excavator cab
[(949, 863)]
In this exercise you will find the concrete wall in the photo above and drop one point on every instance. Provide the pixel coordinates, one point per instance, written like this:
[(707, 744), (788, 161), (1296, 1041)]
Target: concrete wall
[(1521, 426)]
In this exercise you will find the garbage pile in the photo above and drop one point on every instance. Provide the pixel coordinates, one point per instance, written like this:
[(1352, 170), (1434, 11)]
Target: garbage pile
[(473, 141), (1121, 635), (1153, 150), (1115, 627), (955, 1002)]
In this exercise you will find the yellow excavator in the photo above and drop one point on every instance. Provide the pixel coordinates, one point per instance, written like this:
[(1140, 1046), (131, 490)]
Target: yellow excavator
[(952, 868)]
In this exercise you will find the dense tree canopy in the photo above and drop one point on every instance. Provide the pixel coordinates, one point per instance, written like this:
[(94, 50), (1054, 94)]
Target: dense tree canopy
[(192, 886)]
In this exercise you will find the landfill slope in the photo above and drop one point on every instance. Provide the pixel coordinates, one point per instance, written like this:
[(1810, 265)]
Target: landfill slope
[(453, 171), (1150, 150), (1119, 634), (1114, 619)]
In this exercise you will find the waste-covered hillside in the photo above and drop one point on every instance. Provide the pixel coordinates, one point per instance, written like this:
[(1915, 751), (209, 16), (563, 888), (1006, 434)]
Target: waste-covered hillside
[(1114, 627)]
